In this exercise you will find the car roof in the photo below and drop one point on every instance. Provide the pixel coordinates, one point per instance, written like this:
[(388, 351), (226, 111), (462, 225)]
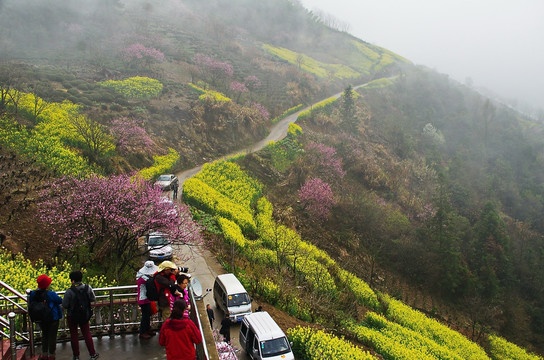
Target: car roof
[(158, 233), (232, 284), (264, 326)]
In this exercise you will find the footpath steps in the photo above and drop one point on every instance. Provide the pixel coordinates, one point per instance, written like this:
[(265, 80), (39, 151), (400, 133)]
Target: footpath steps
[(21, 353)]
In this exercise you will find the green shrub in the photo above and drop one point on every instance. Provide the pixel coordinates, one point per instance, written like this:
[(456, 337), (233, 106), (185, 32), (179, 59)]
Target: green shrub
[(501, 349), (161, 165), (311, 344), (138, 87)]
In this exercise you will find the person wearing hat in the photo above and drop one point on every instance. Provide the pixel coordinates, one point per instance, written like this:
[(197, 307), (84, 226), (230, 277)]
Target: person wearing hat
[(49, 328), (147, 271), (165, 282)]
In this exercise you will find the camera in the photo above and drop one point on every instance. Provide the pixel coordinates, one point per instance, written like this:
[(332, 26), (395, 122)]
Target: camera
[(183, 269)]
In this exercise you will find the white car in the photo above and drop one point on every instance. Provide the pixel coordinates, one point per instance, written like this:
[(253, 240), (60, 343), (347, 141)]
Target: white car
[(159, 246), (167, 182)]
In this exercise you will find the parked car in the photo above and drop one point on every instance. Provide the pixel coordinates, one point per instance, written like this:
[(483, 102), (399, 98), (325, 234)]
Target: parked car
[(231, 297), (159, 246), (263, 339), (167, 182)]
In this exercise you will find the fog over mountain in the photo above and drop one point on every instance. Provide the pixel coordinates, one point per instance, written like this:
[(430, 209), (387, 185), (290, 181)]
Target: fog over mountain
[(492, 44)]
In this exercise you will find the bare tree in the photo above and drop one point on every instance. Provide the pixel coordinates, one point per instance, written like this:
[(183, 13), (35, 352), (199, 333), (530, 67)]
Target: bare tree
[(8, 79), (38, 104), (93, 135), (14, 96), (331, 21), (300, 60)]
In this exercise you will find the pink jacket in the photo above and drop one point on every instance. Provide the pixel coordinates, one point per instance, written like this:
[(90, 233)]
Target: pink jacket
[(142, 298)]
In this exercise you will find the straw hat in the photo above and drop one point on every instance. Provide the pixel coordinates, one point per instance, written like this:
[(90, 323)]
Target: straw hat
[(167, 265)]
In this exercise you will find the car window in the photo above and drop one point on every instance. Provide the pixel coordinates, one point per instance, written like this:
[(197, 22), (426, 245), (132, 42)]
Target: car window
[(158, 241), (164, 178), (238, 299), (243, 329), (274, 347)]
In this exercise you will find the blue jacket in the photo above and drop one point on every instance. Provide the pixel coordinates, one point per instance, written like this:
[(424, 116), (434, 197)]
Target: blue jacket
[(53, 300)]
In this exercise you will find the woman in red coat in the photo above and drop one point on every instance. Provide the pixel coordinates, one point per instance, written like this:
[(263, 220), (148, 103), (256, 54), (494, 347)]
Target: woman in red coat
[(179, 335)]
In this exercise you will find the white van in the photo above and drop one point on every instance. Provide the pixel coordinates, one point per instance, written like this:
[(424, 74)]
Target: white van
[(231, 297), (263, 339)]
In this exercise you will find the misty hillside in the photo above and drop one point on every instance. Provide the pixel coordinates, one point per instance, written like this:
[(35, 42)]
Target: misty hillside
[(435, 192)]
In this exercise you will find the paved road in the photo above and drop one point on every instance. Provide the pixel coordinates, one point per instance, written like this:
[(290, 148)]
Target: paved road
[(277, 132), (203, 266), (119, 348)]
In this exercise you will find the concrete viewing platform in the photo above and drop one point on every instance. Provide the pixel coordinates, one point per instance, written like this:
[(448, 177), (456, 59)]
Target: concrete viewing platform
[(121, 347)]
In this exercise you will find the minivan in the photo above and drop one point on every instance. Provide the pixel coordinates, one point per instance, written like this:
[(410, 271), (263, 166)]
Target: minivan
[(231, 297), (263, 339)]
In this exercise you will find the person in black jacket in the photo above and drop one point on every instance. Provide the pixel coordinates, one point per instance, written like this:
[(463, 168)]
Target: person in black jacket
[(225, 328), (211, 316)]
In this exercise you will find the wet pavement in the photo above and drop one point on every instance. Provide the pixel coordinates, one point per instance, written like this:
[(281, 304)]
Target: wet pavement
[(121, 347), (203, 266)]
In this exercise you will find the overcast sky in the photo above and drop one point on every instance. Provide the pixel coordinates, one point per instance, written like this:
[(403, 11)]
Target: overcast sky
[(497, 43)]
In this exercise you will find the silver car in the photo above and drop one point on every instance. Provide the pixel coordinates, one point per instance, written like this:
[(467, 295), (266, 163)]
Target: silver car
[(159, 246), (167, 182)]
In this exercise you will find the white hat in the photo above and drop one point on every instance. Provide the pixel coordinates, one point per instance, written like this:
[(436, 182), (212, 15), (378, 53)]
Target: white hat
[(149, 268)]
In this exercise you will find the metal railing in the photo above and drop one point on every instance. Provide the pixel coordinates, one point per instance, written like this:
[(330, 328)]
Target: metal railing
[(116, 311)]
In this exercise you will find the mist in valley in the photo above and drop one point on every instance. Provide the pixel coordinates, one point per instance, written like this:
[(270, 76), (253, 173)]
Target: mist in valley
[(494, 45)]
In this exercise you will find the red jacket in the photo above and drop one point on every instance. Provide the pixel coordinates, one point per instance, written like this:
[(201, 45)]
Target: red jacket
[(179, 337), (165, 286)]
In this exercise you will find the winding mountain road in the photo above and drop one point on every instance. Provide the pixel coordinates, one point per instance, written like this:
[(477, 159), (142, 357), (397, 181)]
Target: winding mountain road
[(277, 132)]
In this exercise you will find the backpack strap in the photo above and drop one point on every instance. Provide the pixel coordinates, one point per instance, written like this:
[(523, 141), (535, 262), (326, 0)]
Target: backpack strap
[(41, 295)]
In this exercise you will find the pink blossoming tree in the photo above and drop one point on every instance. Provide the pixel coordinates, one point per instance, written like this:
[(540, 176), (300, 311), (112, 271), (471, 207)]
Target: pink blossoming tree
[(213, 70), (138, 54), (130, 136), (260, 108), (323, 156), (238, 88), (252, 82), (317, 198), (107, 216)]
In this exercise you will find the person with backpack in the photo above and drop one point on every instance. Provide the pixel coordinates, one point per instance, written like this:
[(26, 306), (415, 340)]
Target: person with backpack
[(145, 273), (77, 302), (44, 309)]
